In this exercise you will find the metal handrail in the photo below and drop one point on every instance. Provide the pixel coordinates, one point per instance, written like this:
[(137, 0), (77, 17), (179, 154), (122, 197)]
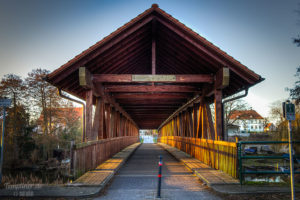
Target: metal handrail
[(241, 158)]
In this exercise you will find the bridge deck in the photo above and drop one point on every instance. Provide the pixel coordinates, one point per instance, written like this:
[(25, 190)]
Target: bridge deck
[(137, 179)]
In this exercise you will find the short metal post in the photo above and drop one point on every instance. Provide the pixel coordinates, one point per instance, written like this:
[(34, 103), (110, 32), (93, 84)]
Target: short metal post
[(2, 143), (239, 147), (159, 177), (291, 161)]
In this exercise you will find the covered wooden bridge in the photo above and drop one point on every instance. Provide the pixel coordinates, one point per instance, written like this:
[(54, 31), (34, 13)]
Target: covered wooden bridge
[(154, 73)]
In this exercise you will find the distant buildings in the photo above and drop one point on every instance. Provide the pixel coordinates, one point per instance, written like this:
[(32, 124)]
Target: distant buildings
[(243, 122)]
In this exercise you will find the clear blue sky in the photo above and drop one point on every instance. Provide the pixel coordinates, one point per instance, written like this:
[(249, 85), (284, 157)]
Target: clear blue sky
[(258, 33)]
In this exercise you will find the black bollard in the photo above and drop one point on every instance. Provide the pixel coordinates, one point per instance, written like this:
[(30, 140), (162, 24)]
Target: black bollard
[(159, 176)]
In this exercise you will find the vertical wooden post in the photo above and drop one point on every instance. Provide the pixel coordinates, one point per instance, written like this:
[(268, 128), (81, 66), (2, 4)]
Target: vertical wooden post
[(96, 122), (101, 120), (195, 117), (180, 124), (199, 126), (191, 122), (88, 114), (118, 124), (204, 121), (112, 122), (218, 114), (107, 124), (210, 122)]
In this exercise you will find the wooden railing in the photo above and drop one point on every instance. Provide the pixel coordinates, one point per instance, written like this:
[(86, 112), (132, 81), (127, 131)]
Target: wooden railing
[(220, 155), (88, 155)]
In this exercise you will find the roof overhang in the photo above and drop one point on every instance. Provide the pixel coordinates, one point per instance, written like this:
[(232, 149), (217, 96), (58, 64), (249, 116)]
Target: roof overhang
[(151, 45)]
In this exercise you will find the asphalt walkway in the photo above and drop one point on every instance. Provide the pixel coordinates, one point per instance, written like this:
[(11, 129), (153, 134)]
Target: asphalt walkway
[(137, 179)]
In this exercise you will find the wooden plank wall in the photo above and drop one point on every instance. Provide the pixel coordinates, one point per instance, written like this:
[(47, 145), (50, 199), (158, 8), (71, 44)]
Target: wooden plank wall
[(193, 132), (89, 155)]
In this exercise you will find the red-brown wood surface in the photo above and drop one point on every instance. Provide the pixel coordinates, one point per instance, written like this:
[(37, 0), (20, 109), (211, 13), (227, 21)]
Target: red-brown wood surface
[(89, 111), (153, 43)]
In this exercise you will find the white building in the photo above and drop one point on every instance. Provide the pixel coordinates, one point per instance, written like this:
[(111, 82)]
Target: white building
[(247, 120)]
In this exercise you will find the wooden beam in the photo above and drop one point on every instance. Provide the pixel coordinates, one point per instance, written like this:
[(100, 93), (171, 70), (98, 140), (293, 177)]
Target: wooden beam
[(98, 91), (107, 122), (222, 78), (75, 63), (213, 54), (96, 121), (153, 50), (85, 78), (101, 119), (149, 88), (88, 114), (151, 96), (210, 122), (141, 78), (195, 118), (218, 115)]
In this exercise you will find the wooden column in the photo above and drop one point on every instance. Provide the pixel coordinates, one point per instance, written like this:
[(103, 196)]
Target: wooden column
[(88, 114), (101, 119), (107, 122), (195, 118), (218, 115), (191, 122), (112, 122), (222, 81), (199, 120), (210, 123), (96, 121)]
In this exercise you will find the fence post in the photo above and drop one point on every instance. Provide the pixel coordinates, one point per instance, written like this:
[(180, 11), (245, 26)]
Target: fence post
[(239, 145)]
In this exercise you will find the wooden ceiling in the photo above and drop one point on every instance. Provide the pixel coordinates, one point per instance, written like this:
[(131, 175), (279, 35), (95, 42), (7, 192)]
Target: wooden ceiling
[(152, 43)]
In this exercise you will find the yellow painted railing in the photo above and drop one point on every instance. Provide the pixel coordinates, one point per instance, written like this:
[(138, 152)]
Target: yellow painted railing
[(220, 155)]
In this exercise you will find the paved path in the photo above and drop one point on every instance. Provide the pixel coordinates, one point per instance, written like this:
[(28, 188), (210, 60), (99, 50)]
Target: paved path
[(137, 179)]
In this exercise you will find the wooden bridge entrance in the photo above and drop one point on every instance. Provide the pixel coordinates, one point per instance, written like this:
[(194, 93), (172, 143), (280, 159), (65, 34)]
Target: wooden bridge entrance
[(153, 73)]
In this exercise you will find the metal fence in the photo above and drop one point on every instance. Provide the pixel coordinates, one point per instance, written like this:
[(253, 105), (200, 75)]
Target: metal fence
[(243, 156)]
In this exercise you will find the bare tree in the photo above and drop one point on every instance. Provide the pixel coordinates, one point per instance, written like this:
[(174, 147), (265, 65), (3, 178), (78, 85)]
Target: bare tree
[(13, 87), (43, 97), (232, 107)]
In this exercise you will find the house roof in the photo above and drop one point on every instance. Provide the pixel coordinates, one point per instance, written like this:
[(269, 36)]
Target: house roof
[(269, 125), (74, 112), (128, 50), (245, 114)]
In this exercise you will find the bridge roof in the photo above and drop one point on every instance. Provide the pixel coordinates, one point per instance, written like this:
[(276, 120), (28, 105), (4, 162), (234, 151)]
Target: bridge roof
[(153, 43)]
